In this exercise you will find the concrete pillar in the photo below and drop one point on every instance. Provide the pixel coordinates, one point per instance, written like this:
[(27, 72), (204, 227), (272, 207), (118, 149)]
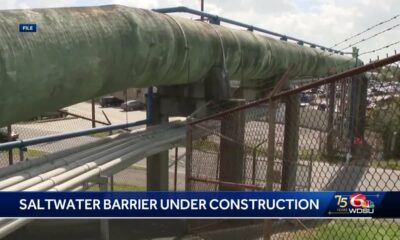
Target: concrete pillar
[(232, 161), (157, 165), (291, 143)]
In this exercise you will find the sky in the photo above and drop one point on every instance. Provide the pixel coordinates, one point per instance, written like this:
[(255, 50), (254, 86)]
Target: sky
[(324, 22)]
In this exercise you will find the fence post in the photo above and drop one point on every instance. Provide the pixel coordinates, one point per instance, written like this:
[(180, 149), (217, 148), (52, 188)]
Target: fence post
[(112, 183), (291, 142), (359, 89), (271, 144), (93, 114), (232, 161), (176, 169), (21, 154), (331, 118), (272, 107), (188, 164), (310, 170), (10, 152)]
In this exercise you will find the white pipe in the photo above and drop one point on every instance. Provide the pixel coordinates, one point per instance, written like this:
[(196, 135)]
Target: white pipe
[(161, 144), (131, 151), (135, 156), (13, 226), (62, 166), (20, 166), (20, 177), (82, 187)]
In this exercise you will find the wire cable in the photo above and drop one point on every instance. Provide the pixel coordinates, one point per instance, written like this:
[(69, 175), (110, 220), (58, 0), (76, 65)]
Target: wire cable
[(372, 36), (381, 48), (366, 30)]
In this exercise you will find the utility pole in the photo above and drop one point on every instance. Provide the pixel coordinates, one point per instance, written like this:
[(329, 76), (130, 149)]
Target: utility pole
[(202, 9)]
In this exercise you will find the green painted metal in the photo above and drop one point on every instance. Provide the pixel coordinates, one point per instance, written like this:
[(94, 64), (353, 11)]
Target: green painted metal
[(80, 53)]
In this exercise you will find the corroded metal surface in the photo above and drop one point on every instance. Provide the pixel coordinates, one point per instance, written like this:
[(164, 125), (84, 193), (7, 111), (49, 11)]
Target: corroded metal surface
[(80, 53)]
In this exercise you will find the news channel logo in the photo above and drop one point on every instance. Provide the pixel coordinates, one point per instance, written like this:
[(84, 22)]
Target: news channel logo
[(26, 28), (354, 204)]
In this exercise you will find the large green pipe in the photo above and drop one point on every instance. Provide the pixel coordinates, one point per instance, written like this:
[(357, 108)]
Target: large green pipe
[(80, 53)]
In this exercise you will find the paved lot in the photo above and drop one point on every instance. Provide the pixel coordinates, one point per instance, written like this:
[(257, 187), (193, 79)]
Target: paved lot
[(27, 130), (114, 114), (136, 175)]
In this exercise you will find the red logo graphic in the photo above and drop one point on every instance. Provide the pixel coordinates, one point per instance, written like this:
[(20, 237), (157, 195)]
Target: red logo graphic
[(359, 200)]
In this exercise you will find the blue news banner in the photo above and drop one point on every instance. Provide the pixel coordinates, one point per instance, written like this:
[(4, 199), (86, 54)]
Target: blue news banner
[(200, 204)]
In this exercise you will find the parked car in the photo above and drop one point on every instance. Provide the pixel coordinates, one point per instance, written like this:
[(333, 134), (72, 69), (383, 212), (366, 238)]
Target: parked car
[(132, 105), (4, 135), (61, 113), (110, 101)]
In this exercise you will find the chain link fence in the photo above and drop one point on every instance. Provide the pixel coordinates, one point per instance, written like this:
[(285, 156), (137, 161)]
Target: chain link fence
[(337, 136)]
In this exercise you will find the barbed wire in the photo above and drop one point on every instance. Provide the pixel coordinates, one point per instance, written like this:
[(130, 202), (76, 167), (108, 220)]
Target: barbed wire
[(372, 36), (378, 49), (366, 30)]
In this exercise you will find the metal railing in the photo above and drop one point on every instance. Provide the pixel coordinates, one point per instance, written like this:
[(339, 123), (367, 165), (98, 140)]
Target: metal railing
[(215, 19), (58, 137)]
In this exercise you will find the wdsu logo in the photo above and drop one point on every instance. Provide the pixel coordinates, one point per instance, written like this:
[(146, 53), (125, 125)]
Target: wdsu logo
[(356, 203)]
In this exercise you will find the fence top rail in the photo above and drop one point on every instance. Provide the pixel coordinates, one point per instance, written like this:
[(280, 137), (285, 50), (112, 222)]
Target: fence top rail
[(58, 137), (335, 77)]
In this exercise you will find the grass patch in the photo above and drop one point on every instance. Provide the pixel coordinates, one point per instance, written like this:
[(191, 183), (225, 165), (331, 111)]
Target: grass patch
[(106, 134), (135, 167), (391, 164), (205, 145), (353, 230), (303, 154), (121, 187), (30, 153), (33, 153), (128, 187)]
